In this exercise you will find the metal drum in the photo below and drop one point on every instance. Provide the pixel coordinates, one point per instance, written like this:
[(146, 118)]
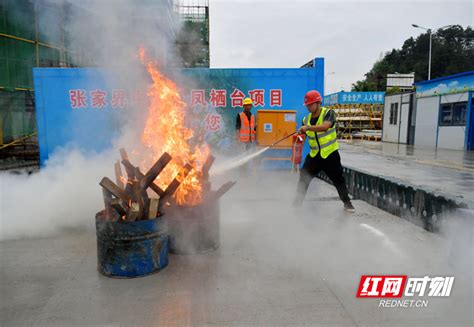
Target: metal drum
[(194, 229), (133, 249)]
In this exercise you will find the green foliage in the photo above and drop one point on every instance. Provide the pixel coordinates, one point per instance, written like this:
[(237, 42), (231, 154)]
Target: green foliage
[(393, 90), (452, 52)]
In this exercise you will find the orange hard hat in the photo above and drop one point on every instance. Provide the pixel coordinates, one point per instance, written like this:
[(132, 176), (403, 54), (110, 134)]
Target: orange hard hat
[(312, 97)]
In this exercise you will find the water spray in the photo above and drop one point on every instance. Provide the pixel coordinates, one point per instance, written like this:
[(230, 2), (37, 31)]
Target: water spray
[(239, 161)]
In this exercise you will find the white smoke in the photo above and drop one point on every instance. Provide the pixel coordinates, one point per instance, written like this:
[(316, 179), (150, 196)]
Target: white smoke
[(224, 165), (64, 194), (105, 34)]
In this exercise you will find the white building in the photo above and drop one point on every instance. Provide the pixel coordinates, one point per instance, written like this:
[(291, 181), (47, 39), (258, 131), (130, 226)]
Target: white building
[(399, 118), (438, 115), (402, 81)]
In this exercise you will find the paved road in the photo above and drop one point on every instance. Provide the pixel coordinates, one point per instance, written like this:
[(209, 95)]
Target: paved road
[(443, 171), (276, 267)]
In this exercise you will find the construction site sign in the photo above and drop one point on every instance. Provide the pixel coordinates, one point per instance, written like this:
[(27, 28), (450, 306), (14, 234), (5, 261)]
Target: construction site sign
[(215, 97), (354, 98), (87, 107)]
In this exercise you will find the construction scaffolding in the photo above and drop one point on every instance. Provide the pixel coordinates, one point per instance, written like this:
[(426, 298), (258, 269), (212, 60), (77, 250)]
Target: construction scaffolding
[(359, 121), (27, 40), (193, 39), (192, 10), (359, 114)]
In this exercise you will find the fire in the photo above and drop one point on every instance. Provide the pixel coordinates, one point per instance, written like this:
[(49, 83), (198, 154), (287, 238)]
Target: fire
[(166, 131)]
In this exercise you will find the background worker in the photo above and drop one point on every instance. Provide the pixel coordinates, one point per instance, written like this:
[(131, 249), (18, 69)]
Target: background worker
[(319, 127), (245, 126)]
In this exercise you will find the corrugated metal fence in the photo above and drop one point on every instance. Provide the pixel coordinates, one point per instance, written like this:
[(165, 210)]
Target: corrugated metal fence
[(420, 206)]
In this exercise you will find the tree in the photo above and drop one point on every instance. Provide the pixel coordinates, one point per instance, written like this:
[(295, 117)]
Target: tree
[(452, 52)]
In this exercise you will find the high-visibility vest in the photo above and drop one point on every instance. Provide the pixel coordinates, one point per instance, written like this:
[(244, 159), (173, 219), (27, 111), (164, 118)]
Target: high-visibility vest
[(247, 128), (327, 139)]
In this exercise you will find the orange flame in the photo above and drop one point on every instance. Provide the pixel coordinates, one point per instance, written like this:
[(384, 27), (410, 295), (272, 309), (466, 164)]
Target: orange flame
[(166, 131)]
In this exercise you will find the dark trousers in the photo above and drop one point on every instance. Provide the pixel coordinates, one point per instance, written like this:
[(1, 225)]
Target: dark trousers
[(331, 166)]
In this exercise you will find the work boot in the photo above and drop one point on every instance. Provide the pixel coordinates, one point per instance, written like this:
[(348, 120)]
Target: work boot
[(349, 207)]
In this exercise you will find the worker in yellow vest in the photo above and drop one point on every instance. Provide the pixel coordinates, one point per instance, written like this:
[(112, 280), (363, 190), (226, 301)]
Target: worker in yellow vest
[(320, 128), (245, 126)]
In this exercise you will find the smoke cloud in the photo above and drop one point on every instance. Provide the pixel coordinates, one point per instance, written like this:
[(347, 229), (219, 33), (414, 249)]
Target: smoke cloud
[(105, 34), (318, 239), (64, 194)]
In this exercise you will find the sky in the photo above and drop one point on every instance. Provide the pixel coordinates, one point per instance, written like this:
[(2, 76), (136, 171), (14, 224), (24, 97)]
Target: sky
[(350, 35)]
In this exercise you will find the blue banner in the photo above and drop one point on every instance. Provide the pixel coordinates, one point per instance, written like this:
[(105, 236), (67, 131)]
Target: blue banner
[(83, 108), (354, 98), (462, 82), (215, 97), (77, 107)]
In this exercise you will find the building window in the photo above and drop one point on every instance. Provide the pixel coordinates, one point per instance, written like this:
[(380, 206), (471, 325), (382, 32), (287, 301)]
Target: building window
[(459, 113), (393, 113), (453, 114), (446, 115)]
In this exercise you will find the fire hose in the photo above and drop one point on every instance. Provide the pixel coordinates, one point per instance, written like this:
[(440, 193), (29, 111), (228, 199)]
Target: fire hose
[(297, 147), (282, 139)]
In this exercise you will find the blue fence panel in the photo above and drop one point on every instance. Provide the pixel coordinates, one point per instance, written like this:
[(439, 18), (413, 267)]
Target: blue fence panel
[(83, 107)]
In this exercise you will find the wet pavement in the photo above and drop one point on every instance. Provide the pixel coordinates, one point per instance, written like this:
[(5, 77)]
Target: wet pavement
[(276, 266), (445, 171)]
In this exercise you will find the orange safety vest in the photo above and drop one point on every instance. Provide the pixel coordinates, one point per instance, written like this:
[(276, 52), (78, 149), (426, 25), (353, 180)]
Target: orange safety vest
[(247, 128)]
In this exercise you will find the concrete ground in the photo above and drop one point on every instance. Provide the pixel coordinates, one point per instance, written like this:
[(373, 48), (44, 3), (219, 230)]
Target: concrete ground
[(276, 266), (457, 159), (446, 171)]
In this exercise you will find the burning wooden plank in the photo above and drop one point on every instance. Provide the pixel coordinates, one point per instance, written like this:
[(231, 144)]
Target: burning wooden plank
[(157, 189), (131, 201), (207, 166), (140, 197), (107, 203), (119, 175), (129, 168), (130, 176), (135, 172), (153, 186), (153, 208), (175, 183), (114, 189), (107, 197), (116, 204), (138, 183), (154, 171), (133, 212), (206, 184), (141, 193)]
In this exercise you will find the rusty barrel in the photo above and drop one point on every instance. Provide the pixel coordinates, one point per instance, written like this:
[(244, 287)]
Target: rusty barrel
[(194, 229), (131, 249)]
